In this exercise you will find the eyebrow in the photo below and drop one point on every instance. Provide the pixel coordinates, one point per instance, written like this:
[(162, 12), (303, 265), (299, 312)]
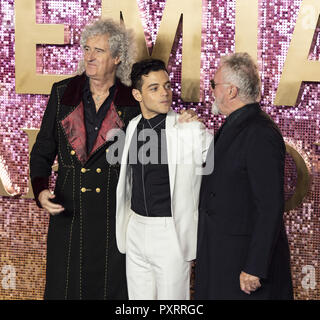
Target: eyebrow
[(156, 84), (86, 46)]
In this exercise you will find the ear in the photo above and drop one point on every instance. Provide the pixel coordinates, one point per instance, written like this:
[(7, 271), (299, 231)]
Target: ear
[(233, 92), (117, 60), (137, 95)]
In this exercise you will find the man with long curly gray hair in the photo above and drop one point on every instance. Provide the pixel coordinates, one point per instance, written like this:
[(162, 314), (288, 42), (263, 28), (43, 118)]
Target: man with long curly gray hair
[(83, 261), (121, 44)]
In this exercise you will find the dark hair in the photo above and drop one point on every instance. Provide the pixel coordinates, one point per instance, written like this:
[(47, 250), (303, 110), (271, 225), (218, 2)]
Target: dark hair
[(144, 67)]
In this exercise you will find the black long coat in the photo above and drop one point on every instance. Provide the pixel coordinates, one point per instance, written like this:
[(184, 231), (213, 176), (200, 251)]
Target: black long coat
[(83, 261), (241, 212)]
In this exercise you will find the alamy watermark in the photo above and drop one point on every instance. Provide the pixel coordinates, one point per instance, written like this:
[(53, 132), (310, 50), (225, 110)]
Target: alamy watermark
[(9, 279), (309, 280), (188, 147)]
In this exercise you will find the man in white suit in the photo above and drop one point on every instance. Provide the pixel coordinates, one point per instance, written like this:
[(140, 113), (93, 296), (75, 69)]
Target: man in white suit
[(158, 190)]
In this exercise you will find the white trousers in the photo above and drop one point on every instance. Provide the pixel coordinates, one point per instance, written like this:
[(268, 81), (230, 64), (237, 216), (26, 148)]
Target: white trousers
[(155, 266)]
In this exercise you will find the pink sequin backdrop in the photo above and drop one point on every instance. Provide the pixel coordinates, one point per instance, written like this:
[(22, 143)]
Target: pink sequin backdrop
[(23, 226)]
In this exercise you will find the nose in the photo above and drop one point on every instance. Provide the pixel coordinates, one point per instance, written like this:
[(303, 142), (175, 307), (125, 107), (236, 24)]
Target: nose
[(165, 91), (90, 55)]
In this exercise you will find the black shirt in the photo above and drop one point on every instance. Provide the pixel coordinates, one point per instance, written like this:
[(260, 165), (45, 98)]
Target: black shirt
[(150, 186), (93, 119)]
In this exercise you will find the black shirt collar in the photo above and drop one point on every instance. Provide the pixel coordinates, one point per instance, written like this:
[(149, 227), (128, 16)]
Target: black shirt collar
[(155, 120), (233, 116)]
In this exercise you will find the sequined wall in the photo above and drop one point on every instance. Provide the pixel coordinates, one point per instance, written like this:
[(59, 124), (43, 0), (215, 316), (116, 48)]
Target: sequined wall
[(23, 226)]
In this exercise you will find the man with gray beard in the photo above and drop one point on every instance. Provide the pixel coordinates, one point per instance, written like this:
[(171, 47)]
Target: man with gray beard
[(242, 250)]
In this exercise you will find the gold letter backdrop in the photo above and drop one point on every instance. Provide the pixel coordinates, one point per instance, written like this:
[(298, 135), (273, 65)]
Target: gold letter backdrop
[(272, 26)]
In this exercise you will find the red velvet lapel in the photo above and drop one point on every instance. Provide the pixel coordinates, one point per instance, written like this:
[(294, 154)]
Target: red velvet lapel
[(74, 128), (74, 124), (111, 121)]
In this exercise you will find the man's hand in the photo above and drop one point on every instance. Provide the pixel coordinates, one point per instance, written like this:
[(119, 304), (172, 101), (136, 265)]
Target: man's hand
[(249, 283), (44, 199), (188, 116)]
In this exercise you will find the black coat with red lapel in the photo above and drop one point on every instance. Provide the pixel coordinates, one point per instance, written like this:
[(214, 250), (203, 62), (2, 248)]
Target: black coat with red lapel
[(241, 212), (83, 261)]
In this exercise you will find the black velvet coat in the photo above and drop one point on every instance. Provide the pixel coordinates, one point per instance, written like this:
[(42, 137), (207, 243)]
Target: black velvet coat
[(241, 213), (83, 261)]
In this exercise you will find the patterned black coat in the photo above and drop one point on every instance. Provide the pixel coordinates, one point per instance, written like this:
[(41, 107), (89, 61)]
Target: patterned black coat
[(83, 261)]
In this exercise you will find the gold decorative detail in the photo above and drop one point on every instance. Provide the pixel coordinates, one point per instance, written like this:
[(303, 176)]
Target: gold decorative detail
[(72, 152), (32, 136), (303, 180), (191, 44), (83, 170), (98, 170), (83, 189), (131, 15), (297, 67), (119, 113), (27, 79), (246, 35), (98, 190), (107, 150)]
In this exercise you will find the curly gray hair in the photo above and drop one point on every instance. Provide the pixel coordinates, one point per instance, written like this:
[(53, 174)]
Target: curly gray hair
[(240, 70), (121, 43)]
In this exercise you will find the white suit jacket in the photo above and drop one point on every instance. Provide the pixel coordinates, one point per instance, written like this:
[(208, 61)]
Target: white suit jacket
[(187, 146)]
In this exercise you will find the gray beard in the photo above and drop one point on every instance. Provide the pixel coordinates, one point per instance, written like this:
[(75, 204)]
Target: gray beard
[(215, 108)]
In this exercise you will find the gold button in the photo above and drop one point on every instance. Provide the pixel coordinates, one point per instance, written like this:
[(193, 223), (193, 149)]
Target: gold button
[(72, 152), (107, 150), (98, 190), (83, 170), (98, 170), (83, 189), (119, 113)]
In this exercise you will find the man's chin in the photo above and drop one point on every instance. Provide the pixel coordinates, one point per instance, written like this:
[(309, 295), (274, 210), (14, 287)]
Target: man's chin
[(90, 73), (165, 109)]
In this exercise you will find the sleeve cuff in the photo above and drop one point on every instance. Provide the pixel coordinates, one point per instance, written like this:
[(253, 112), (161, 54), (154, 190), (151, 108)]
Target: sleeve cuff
[(39, 184)]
